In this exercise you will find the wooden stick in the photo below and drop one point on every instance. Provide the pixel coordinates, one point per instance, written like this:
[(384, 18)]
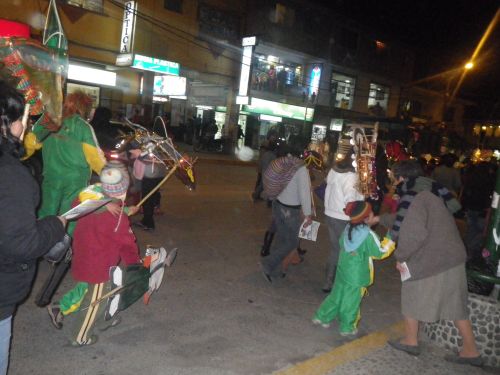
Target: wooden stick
[(174, 168)]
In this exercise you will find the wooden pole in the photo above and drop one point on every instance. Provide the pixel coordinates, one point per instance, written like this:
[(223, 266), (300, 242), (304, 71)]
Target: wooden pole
[(174, 168)]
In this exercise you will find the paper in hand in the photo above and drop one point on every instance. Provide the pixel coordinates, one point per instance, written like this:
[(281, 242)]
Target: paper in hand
[(405, 273), (310, 232), (84, 208)]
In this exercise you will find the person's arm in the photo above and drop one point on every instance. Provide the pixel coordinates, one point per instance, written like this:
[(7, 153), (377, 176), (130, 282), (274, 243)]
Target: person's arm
[(376, 249), (93, 154), (304, 191), (42, 128)]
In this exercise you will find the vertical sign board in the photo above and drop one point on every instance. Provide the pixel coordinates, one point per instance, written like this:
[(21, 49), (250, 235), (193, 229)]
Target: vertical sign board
[(128, 30), (248, 44)]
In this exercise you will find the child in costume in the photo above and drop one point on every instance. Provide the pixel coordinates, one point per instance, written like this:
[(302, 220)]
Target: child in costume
[(358, 246), (101, 240)]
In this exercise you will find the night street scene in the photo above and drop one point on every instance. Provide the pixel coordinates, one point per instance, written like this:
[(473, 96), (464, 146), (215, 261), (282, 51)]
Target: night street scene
[(292, 187)]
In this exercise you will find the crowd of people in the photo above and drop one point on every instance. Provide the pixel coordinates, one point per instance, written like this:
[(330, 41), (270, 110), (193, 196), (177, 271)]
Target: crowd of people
[(417, 211)]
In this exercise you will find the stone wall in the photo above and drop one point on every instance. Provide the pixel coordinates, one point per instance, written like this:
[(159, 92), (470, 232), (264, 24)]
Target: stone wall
[(484, 314)]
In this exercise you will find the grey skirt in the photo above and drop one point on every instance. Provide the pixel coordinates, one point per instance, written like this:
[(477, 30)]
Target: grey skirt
[(443, 296)]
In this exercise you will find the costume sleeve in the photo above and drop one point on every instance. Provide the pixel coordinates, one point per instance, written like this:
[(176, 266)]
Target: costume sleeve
[(33, 140), (376, 249), (93, 154)]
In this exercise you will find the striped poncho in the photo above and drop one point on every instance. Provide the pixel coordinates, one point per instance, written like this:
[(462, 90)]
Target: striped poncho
[(279, 173)]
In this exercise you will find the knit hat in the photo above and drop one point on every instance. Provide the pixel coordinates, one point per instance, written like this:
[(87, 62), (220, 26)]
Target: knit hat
[(358, 211), (114, 180)]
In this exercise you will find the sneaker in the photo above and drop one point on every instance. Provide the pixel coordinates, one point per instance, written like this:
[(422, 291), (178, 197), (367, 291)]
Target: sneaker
[(56, 316), (143, 227), (90, 341), (320, 323), (350, 333)]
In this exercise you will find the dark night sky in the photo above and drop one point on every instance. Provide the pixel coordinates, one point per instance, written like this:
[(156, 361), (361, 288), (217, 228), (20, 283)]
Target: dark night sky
[(444, 34)]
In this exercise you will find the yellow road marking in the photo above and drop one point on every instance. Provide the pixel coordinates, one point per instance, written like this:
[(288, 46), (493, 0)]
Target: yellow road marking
[(327, 362)]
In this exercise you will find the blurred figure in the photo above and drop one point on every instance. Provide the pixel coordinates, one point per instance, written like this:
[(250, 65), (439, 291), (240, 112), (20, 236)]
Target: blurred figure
[(23, 238), (103, 129), (447, 175)]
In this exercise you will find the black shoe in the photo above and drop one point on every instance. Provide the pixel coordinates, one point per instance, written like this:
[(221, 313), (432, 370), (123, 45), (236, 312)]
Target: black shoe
[(410, 349), (266, 275), (326, 290), (56, 315), (143, 227), (473, 361)]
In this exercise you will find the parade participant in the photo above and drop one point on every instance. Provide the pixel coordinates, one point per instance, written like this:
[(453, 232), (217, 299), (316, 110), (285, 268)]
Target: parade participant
[(23, 238), (69, 155), (431, 255), (286, 179), (101, 240), (341, 188), (358, 246)]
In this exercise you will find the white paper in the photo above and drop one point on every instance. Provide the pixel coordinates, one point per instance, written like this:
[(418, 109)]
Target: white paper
[(405, 274), (84, 208), (310, 232)]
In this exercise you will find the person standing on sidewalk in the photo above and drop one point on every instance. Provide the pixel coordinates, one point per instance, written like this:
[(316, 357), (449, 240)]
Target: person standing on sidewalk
[(286, 179), (431, 252), (23, 238), (341, 188)]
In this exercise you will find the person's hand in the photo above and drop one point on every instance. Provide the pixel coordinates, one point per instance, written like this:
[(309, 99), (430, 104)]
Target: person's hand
[(63, 221), (132, 210), (113, 208), (399, 267), (307, 221)]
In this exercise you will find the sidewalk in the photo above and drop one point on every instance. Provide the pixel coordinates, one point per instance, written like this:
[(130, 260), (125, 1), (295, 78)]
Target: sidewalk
[(216, 157), (370, 355)]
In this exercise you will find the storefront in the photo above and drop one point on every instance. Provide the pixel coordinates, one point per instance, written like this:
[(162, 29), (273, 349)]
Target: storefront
[(292, 122)]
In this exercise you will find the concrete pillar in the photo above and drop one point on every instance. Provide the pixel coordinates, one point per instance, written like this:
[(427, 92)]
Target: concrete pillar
[(147, 96), (361, 91)]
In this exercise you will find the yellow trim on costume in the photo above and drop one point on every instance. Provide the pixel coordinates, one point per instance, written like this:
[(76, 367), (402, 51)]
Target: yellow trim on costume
[(94, 156), (31, 144), (90, 193)]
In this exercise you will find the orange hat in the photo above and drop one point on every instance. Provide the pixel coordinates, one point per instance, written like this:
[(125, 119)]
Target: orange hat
[(358, 211)]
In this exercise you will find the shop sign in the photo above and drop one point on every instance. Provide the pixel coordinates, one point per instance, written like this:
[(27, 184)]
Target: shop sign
[(156, 65), (128, 27), (220, 108), (267, 107), (169, 86), (91, 75), (314, 80), (336, 124)]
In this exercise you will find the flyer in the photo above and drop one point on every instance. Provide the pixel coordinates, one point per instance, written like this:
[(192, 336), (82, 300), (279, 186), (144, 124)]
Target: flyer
[(84, 208), (310, 232)]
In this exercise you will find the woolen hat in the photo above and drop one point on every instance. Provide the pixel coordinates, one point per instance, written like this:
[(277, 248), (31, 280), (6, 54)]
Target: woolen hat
[(114, 181), (358, 211)]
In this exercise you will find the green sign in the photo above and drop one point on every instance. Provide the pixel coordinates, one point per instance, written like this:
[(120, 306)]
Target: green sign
[(267, 107), (220, 108), (156, 65)]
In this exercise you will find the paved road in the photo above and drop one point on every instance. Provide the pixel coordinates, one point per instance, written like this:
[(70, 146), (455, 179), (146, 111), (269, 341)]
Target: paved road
[(214, 314)]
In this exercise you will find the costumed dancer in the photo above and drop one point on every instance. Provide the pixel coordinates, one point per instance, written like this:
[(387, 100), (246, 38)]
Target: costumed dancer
[(23, 238), (70, 153), (358, 246), (100, 241)]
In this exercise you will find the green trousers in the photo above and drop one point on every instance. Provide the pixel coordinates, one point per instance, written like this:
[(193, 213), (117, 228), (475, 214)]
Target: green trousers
[(342, 304)]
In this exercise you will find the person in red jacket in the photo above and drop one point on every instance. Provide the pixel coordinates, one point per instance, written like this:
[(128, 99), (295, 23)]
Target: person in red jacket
[(101, 240)]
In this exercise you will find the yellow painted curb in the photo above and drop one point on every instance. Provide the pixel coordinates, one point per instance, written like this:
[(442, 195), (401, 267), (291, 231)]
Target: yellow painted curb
[(351, 351)]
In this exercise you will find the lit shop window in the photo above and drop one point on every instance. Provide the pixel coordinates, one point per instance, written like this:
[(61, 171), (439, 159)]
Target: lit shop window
[(342, 90), (93, 5), (378, 99)]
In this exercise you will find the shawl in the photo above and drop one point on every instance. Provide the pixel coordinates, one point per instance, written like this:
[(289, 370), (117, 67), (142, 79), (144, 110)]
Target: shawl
[(279, 173)]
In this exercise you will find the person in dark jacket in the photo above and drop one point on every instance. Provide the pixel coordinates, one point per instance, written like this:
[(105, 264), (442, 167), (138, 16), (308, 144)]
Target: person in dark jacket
[(23, 238)]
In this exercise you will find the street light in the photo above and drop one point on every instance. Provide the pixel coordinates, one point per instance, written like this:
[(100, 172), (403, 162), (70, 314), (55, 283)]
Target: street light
[(469, 65)]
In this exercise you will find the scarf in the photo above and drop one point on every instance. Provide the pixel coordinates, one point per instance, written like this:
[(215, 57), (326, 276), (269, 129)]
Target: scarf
[(279, 173), (409, 189)]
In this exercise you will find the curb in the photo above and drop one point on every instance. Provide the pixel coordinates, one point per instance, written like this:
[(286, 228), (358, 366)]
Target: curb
[(351, 351)]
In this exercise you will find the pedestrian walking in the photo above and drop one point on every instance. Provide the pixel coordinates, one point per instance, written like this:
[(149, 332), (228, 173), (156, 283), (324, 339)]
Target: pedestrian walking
[(287, 180), (23, 238), (341, 188), (431, 256)]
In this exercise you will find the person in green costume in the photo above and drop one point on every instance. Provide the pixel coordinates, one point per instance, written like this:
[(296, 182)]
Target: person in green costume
[(358, 245), (70, 153)]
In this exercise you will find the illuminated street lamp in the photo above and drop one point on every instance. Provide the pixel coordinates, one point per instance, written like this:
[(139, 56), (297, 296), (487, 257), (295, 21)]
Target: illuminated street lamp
[(469, 65)]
